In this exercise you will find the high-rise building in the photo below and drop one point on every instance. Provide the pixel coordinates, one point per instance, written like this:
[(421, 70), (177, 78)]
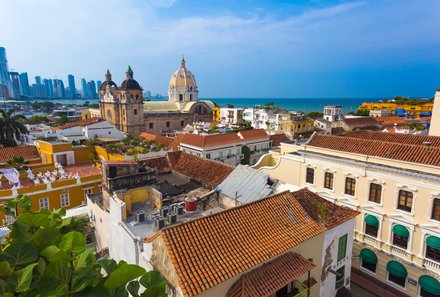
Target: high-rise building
[(48, 88), (38, 80), (93, 93), (24, 85), (5, 81), (72, 88), (98, 85), (15, 84), (59, 90), (85, 93)]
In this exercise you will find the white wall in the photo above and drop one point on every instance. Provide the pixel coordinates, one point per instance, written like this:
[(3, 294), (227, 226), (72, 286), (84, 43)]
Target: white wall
[(102, 129)]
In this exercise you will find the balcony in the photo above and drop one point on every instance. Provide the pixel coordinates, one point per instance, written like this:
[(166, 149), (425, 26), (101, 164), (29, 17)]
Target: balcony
[(431, 264), (371, 240), (398, 251)]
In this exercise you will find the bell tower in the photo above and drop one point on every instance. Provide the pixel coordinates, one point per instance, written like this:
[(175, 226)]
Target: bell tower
[(108, 100)]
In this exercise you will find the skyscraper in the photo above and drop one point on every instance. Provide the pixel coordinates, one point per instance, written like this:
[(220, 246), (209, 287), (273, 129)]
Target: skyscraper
[(85, 93), (5, 81), (59, 90), (93, 93), (15, 84), (38, 80), (24, 85), (98, 85), (72, 88), (48, 88)]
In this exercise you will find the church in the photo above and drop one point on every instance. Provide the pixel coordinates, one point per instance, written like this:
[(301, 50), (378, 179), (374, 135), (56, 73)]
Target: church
[(123, 105)]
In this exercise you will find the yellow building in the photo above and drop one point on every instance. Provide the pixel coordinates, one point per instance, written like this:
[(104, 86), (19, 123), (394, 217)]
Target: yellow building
[(394, 181), (63, 179), (216, 117), (411, 109), (296, 124)]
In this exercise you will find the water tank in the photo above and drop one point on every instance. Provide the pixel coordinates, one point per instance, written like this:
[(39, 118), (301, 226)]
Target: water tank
[(190, 204), (172, 217), (159, 222), (164, 211), (140, 216), (179, 209)]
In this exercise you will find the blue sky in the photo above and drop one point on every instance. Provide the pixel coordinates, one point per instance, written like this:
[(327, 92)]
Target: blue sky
[(235, 48)]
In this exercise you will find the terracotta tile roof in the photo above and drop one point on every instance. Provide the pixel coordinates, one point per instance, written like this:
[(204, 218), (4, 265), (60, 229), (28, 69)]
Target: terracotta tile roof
[(336, 214), (253, 134), (207, 251), (270, 277), (209, 140), (390, 121), (119, 162), (28, 152), (81, 123), (161, 164), (83, 169), (397, 138), (157, 138), (24, 182), (278, 138), (174, 145), (208, 173), (363, 121), (384, 149)]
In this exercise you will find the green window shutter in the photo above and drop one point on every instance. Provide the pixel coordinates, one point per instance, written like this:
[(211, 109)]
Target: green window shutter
[(342, 247), (368, 256), (400, 230), (372, 220), (429, 284), (433, 241), (397, 269)]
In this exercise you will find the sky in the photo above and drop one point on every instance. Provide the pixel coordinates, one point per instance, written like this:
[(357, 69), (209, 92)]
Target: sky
[(236, 49)]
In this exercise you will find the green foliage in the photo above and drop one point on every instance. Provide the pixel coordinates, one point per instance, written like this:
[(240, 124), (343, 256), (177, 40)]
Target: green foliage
[(363, 113), (94, 105), (18, 163), (245, 150), (45, 106), (11, 126), (323, 212), (45, 255), (36, 119), (415, 126), (61, 120), (315, 114)]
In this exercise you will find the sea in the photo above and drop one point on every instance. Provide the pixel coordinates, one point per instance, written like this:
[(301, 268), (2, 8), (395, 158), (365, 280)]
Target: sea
[(291, 104)]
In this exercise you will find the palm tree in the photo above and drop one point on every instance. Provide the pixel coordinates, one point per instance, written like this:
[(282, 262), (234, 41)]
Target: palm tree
[(18, 163), (11, 125)]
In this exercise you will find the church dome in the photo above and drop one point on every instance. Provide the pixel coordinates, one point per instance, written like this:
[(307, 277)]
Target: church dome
[(182, 79), (108, 81), (129, 83)]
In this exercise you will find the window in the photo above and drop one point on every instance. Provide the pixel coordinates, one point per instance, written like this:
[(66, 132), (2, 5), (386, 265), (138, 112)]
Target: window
[(208, 156), (328, 180), (397, 279), (65, 200), (340, 276), (342, 247), (400, 241), (310, 175), (151, 125), (397, 273), (436, 209), (44, 203), (180, 97), (405, 200), (371, 225), (369, 266), (375, 193), (350, 186), (433, 248), (135, 111), (168, 124), (182, 123), (87, 191)]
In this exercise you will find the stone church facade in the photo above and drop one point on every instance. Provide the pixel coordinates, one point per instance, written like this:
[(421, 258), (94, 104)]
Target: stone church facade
[(123, 105)]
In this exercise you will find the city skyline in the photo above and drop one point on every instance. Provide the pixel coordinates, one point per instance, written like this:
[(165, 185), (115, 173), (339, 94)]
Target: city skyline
[(246, 49)]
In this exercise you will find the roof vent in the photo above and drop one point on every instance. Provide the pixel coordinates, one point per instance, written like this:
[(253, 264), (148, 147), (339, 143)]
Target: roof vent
[(164, 211), (171, 218), (427, 144)]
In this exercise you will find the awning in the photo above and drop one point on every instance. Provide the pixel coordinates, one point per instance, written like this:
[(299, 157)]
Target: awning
[(429, 284), (371, 220), (270, 277), (400, 230), (433, 241), (397, 269), (368, 256)]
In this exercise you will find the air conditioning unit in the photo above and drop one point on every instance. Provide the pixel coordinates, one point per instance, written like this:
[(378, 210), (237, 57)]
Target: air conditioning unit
[(140, 216), (159, 222), (164, 211), (179, 209), (171, 218), (172, 207)]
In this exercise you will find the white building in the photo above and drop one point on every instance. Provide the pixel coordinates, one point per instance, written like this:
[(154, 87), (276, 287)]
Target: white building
[(262, 118), (333, 113), (87, 129), (227, 147), (231, 115)]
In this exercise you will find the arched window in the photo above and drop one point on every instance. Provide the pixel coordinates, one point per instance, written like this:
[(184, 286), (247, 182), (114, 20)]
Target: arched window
[(109, 114), (397, 273), (369, 260), (429, 286), (433, 248), (400, 236), (131, 99), (371, 225)]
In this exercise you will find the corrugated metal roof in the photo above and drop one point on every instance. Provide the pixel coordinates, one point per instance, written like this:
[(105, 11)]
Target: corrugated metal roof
[(245, 184)]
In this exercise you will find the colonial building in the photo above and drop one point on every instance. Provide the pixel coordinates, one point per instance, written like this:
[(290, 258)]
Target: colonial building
[(123, 105), (394, 181)]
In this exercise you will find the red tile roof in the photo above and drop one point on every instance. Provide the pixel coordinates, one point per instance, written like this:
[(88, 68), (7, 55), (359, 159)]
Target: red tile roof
[(390, 121), (362, 121), (397, 138), (210, 250), (83, 169), (270, 277), (81, 123), (384, 149), (161, 164), (208, 173), (28, 152), (278, 138), (209, 140), (157, 138), (253, 134)]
